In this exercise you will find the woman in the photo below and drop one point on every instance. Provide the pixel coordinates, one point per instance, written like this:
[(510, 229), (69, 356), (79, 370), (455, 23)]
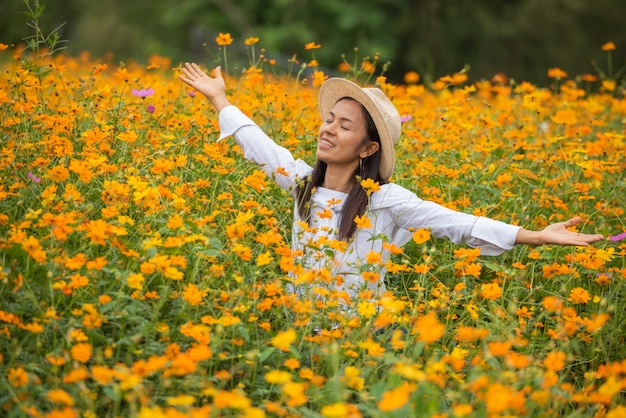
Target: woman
[(356, 139)]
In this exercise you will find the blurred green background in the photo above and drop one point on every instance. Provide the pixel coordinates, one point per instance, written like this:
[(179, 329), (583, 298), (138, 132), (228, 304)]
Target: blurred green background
[(520, 38)]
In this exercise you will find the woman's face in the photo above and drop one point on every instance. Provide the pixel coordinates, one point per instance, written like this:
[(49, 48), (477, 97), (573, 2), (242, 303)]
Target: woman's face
[(341, 138)]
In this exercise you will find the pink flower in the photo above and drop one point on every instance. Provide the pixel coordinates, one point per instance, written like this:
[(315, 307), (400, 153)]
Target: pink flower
[(143, 93), (405, 118), (33, 177), (151, 109), (618, 237)]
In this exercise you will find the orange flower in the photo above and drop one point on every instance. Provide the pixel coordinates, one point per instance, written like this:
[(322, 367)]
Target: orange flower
[(311, 45), (429, 328), (556, 73), (193, 295), (499, 348), (18, 377), (396, 398), (421, 235), (554, 361), (251, 41), (318, 78), (490, 291), (579, 295), (81, 352), (362, 222), (609, 46), (60, 396), (411, 77), (373, 257), (370, 186), (224, 39)]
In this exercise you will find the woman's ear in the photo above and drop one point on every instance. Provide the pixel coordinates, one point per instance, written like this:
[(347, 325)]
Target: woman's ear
[(369, 149)]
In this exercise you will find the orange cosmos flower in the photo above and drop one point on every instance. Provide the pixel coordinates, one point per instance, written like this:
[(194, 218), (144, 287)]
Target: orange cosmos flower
[(368, 67), (81, 352), (396, 398), (318, 78), (499, 348), (490, 291), (251, 41), (556, 73), (429, 328), (224, 39), (421, 235), (193, 295), (579, 295), (60, 396), (362, 222), (311, 45), (411, 77), (589, 78), (370, 186), (18, 377), (609, 46), (554, 361), (373, 257)]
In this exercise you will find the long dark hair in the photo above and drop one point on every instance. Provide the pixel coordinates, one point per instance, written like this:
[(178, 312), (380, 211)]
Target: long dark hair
[(356, 202)]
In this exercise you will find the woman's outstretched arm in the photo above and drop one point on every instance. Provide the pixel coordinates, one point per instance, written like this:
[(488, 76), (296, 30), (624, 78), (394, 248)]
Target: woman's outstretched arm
[(557, 233)]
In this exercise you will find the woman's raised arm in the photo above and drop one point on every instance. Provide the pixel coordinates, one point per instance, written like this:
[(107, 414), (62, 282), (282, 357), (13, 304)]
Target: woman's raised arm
[(213, 88)]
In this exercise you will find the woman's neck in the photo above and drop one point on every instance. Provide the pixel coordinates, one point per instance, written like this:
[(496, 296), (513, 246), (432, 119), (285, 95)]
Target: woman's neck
[(340, 180)]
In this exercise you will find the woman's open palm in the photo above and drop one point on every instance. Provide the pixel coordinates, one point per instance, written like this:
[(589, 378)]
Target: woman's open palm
[(558, 233), (212, 87)]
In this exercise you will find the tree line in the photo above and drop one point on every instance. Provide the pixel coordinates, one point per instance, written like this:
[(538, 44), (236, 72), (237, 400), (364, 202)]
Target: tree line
[(519, 38)]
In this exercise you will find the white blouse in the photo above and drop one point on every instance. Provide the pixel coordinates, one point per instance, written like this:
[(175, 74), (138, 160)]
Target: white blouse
[(394, 212)]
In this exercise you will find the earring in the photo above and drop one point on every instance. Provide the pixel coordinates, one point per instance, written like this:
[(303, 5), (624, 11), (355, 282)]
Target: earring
[(361, 168)]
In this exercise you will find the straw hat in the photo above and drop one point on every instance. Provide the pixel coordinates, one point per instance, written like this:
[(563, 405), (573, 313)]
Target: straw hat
[(383, 112)]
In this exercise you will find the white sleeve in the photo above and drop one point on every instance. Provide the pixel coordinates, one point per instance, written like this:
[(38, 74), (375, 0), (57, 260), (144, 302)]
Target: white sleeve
[(409, 211), (273, 159)]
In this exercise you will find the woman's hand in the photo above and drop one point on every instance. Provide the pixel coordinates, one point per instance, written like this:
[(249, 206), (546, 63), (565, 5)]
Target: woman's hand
[(558, 234), (213, 88)]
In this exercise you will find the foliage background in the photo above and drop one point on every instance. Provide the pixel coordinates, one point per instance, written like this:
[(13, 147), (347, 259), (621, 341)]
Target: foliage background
[(521, 38)]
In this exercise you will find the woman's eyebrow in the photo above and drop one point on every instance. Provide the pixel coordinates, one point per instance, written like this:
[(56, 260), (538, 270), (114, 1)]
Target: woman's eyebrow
[(345, 119)]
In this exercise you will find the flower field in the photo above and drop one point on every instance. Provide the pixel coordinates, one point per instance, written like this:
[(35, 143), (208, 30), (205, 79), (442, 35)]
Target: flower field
[(143, 264)]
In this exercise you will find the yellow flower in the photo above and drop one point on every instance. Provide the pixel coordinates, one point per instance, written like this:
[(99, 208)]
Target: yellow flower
[(366, 309), (335, 410), (181, 400), (283, 340), (251, 41), (277, 377), (224, 39)]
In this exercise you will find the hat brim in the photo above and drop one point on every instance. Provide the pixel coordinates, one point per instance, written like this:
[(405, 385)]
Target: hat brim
[(334, 89)]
